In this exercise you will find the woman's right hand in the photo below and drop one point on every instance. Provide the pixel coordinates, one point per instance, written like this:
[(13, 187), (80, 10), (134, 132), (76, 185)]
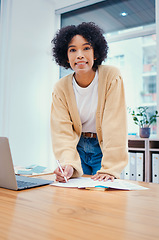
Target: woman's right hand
[(68, 172)]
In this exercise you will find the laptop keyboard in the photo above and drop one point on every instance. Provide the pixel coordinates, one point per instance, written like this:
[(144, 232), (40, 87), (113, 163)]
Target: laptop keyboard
[(22, 184)]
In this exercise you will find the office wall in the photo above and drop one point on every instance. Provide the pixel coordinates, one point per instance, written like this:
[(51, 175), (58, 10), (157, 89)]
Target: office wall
[(27, 78)]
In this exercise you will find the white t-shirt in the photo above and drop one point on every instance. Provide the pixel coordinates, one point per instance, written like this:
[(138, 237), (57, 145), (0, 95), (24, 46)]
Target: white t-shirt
[(87, 100)]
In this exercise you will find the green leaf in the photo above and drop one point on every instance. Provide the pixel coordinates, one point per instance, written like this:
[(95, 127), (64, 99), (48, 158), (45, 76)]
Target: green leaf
[(135, 119)]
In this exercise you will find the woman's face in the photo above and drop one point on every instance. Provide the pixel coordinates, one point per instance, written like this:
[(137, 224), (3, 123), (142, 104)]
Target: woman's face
[(80, 55)]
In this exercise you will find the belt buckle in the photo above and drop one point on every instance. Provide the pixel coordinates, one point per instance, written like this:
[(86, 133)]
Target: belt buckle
[(91, 135)]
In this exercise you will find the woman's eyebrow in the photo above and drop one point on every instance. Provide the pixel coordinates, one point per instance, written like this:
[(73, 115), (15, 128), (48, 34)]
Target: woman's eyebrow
[(82, 45), (87, 43), (71, 46)]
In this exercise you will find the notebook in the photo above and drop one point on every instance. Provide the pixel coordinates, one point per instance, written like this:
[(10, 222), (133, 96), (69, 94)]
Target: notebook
[(8, 179)]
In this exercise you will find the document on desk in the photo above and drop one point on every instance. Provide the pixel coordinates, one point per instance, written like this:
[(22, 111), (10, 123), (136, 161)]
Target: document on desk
[(84, 182)]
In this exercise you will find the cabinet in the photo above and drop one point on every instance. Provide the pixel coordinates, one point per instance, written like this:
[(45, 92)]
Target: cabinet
[(147, 147)]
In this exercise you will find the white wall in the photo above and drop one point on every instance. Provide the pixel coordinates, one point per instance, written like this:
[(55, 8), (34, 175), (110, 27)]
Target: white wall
[(27, 78)]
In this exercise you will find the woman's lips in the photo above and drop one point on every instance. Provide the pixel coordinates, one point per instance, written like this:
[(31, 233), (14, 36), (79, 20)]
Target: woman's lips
[(81, 63)]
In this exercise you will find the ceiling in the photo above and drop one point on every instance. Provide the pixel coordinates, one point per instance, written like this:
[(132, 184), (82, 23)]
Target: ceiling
[(107, 14)]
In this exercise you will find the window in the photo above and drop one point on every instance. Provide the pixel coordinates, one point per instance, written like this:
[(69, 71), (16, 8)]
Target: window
[(130, 29), (138, 65)]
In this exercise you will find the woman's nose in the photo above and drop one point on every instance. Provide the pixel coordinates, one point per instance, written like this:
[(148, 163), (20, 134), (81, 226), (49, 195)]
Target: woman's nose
[(79, 54), (80, 57)]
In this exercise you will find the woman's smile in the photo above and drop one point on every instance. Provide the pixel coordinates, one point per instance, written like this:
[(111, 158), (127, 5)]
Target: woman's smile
[(81, 63)]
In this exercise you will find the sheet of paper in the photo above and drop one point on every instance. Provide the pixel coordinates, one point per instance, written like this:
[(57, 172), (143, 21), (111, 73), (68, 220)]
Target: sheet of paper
[(84, 182), (31, 170)]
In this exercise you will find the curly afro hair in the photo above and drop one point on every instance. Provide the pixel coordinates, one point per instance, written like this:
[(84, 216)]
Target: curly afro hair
[(88, 30)]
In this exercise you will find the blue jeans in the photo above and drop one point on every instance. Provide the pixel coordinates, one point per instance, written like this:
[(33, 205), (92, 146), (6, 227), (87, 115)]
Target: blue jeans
[(90, 154)]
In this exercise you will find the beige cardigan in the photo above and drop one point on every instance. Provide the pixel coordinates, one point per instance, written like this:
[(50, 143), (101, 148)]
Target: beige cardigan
[(111, 122)]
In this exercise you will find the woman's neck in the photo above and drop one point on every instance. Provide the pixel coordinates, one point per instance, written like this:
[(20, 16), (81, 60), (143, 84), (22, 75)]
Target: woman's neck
[(84, 80)]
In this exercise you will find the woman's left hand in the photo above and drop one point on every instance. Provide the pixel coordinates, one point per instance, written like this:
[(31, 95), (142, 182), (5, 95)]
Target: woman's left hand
[(102, 176)]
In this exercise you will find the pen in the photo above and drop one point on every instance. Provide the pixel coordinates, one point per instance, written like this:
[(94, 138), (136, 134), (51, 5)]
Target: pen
[(61, 170)]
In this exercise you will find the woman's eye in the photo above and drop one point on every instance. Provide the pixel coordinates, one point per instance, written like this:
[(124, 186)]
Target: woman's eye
[(72, 50), (87, 48)]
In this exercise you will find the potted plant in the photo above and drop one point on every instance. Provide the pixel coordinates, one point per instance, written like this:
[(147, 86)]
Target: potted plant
[(143, 119)]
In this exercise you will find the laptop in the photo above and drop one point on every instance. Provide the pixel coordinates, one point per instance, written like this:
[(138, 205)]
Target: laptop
[(8, 179)]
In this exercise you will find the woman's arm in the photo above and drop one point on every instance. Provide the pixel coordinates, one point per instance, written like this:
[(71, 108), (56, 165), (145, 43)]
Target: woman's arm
[(114, 130), (64, 138)]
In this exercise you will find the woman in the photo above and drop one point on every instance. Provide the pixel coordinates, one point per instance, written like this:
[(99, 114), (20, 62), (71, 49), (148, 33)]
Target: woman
[(88, 115)]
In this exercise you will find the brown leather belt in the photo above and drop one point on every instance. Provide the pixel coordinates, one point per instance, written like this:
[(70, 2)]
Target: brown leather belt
[(89, 135)]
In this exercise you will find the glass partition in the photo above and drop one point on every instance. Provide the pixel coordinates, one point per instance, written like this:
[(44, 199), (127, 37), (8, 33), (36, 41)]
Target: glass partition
[(137, 60)]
